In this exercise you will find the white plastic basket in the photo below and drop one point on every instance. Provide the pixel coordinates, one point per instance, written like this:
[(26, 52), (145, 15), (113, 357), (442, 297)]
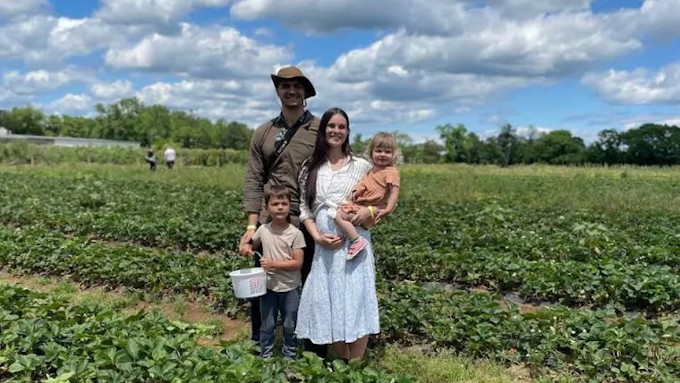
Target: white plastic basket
[(249, 283)]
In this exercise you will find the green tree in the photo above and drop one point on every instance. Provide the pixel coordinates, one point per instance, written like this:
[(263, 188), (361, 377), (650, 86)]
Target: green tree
[(560, 147), (233, 135), (120, 120), (359, 145), (154, 124), (431, 151), (25, 120), (607, 149), (456, 142), (652, 144)]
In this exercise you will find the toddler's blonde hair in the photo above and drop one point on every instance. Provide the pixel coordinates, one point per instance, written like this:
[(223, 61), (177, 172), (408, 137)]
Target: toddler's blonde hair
[(383, 140)]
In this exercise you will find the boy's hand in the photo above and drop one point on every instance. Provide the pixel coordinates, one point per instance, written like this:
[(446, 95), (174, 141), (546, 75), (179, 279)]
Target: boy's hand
[(267, 264)]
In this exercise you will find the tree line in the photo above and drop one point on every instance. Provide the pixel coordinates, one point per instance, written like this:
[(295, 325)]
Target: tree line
[(649, 144), (129, 119)]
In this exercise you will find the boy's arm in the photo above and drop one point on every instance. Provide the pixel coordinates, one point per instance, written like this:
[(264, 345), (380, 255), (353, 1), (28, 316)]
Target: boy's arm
[(289, 265), (391, 203)]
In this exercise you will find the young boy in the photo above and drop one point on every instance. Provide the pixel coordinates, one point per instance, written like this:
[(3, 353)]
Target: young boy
[(282, 255)]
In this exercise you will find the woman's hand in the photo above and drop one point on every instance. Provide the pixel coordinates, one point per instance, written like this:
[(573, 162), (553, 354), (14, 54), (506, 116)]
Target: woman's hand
[(362, 217), (329, 240)]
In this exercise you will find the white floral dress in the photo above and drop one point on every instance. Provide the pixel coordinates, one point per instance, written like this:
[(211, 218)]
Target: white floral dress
[(338, 301)]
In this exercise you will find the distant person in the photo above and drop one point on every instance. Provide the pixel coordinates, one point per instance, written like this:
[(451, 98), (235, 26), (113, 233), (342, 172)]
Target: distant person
[(378, 190), (282, 254), (170, 156), (151, 159)]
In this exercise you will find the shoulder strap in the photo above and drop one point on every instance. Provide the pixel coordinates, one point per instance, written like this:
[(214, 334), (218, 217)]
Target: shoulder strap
[(281, 144)]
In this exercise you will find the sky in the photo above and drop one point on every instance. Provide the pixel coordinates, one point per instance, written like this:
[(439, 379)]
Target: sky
[(393, 65)]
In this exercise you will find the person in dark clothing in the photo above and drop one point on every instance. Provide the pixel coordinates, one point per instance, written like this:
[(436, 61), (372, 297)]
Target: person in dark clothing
[(151, 159)]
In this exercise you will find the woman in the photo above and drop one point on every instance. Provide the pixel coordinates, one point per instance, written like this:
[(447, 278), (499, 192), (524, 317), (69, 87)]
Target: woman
[(338, 305)]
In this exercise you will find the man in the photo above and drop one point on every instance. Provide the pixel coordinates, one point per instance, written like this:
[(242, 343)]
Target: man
[(277, 149), (170, 156)]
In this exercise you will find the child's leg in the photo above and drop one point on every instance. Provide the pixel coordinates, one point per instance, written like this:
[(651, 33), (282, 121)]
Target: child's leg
[(288, 304), (357, 242), (268, 314), (341, 219)]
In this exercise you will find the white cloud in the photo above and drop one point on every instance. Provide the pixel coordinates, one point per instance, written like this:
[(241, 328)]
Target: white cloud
[(251, 101), (263, 32), (12, 8), (639, 86), (637, 121), (49, 40), (210, 52), (113, 90), (162, 13), (421, 16), (550, 46), (537, 131), (39, 81), (659, 18), (71, 104), (329, 16)]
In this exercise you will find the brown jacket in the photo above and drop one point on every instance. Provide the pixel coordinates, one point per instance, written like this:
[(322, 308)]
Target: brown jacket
[(264, 168)]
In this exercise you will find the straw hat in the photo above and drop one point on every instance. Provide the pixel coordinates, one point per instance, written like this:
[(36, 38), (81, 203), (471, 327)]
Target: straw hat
[(293, 73)]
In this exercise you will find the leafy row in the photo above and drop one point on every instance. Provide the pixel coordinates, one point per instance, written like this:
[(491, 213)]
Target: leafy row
[(36, 251), (46, 339), (154, 214), (598, 345), (600, 282)]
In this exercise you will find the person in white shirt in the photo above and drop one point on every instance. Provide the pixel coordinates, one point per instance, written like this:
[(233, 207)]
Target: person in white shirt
[(170, 156)]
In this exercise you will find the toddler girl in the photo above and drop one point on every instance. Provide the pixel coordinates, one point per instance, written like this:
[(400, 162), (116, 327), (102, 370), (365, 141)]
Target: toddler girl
[(378, 190)]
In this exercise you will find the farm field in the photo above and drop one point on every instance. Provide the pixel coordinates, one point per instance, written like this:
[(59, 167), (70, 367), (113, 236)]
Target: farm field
[(571, 273)]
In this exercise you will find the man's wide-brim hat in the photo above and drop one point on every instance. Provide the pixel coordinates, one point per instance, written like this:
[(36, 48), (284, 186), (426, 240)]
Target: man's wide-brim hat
[(293, 73)]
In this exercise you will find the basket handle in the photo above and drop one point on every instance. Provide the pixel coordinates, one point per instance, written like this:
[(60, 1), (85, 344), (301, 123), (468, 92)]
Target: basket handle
[(259, 256)]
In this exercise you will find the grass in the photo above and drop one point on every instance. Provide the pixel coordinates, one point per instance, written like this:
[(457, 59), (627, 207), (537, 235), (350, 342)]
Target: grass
[(446, 368)]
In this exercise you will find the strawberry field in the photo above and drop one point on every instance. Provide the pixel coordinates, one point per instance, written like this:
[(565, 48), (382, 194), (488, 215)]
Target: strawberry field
[(573, 273)]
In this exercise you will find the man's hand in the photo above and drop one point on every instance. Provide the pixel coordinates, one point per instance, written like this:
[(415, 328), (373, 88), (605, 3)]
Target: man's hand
[(244, 246)]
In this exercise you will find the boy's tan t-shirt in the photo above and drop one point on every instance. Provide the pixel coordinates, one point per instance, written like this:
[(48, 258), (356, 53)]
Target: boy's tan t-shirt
[(278, 245)]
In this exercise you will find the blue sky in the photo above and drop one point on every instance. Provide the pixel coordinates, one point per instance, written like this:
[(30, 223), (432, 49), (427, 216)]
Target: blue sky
[(406, 65)]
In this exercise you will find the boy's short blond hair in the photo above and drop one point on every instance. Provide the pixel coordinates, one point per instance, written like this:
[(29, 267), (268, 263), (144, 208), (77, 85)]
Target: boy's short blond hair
[(384, 140)]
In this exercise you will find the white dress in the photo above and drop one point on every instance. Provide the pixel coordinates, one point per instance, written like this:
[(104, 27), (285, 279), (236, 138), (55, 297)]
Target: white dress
[(338, 301)]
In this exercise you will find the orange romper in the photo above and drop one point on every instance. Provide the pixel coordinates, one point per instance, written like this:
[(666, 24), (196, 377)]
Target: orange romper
[(372, 190)]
